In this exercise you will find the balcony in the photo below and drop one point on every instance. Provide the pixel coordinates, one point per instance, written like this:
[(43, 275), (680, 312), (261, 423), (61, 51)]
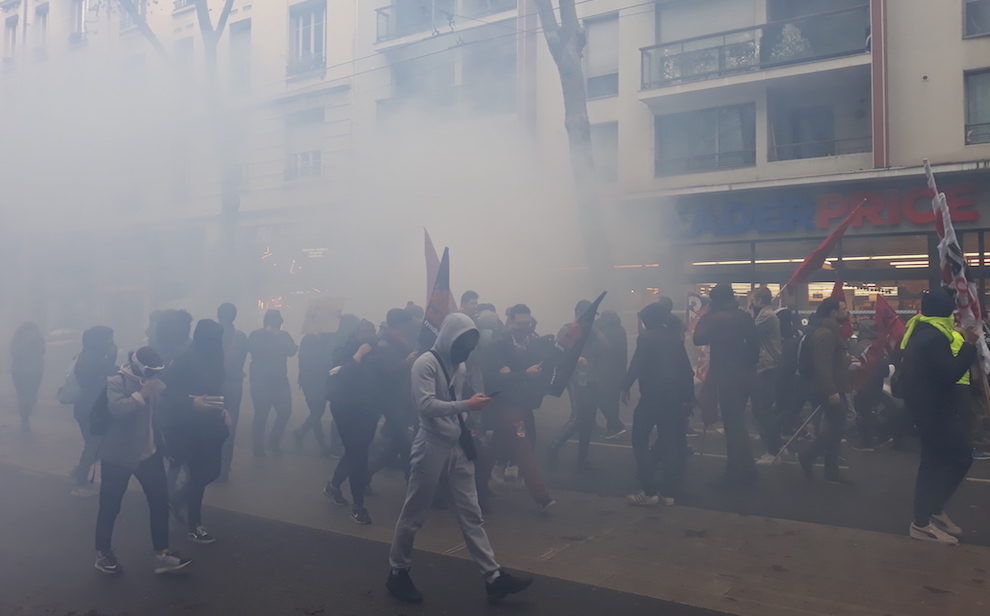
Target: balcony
[(819, 149), (413, 16), (977, 133), (795, 41)]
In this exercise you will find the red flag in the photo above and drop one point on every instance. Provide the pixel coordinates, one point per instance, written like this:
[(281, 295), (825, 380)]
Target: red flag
[(813, 262), (439, 305), (572, 340), (889, 331), (432, 264)]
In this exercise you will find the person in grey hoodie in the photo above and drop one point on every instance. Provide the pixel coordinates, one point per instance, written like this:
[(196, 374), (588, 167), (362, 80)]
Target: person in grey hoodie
[(764, 388), (444, 447), (132, 445)]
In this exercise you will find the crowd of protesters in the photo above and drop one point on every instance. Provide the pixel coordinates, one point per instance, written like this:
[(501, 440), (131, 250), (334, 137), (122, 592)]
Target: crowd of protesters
[(459, 419)]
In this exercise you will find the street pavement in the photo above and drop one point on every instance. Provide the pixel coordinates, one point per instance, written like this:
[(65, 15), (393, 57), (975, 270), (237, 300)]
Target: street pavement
[(785, 547)]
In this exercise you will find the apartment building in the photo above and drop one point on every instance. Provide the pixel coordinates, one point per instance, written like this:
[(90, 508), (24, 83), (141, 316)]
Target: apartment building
[(730, 135)]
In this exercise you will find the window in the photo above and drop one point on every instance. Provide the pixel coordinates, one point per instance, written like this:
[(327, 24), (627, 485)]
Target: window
[(41, 27), (978, 107), (605, 145), (977, 17), (307, 23), (9, 38), (127, 20), (182, 4), (602, 56), (240, 55), (304, 165), (77, 16), (706, 140)]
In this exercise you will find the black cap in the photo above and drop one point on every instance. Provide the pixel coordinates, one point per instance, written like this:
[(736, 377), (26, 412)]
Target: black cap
[(937, 302)]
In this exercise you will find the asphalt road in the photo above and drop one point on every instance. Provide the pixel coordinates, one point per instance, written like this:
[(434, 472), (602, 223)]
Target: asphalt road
[(258, 567), (880, 499)]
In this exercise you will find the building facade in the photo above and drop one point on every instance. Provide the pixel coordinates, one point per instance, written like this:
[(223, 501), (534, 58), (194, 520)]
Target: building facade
[(730, 135)]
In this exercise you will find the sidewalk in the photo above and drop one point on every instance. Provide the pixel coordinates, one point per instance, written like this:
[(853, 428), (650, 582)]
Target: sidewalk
[(720, 561)]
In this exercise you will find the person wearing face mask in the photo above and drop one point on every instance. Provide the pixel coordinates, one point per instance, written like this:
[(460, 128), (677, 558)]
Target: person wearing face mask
[(444, 447), (355, 400), (132, 446), (196, 423)]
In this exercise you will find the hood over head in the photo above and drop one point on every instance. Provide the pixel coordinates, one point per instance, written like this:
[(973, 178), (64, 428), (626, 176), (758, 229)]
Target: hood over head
[(937, 303), (208, 337), (454, 326), (98, 338)]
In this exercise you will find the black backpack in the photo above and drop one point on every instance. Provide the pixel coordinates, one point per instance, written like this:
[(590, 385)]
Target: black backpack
[(99, 415)]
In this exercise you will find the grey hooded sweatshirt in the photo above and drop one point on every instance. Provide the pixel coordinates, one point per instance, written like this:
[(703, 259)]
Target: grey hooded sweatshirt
[(430, 390)]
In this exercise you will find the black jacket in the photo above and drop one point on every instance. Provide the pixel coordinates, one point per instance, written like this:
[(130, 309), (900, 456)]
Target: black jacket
[(516, 387), (315, 361), (735, 346), (660, 363), (393, 378), (930, 372), (192, 374)]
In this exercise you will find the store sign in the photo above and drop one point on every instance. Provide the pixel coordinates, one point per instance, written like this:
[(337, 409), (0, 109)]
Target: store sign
[(815, 214)]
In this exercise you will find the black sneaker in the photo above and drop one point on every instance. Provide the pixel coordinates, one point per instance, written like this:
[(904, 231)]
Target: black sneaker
[(170, 562), (506, 584), (107, 563), (401, 586), (361, 516), (335, 495), (199, 535)]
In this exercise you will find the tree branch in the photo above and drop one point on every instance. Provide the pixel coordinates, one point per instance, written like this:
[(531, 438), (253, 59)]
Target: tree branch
[(224, 16), (568, 15), (203, 19), (547, 17), (142, 25)]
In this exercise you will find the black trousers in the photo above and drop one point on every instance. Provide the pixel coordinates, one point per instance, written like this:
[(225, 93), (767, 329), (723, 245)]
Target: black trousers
[(266, 395), (113, 484), (946, 456), (202, 461), (829, 440), (357, 430), (26, 386), (764, 409), (739, 453), (233, 395), (668, 450), (316, 401), (398, 443), (584, 410)]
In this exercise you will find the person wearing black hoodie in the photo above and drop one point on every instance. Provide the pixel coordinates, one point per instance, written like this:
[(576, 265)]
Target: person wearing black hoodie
[(27, 365), (936, 383), (96, 362), (735, 348), (234, 355), (666, 387), (270, 349), (315, 361), (395, 354), (355, 400), (196, 424)]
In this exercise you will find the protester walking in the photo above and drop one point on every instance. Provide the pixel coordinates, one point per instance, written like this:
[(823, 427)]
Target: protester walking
[(27, 366), (196, 424), (666, 387), (936, 383), (612, 371), (394, 356), (95, 364), (768, 364), (444, 447), (270, 349), (234, 356), (829, 362), (355, 401), (735, 349), (132, 446), (315, 361)]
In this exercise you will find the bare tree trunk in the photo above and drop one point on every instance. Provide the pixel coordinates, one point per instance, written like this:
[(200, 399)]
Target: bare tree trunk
[(566, 41)]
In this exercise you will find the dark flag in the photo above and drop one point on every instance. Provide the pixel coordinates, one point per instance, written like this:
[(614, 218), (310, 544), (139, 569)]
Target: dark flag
[(814, 261), (571, 341), (438, 306)]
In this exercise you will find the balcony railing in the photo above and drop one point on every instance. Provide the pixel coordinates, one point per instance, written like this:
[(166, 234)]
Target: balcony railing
[(977, 133), (183, 4), (412, 16), (705, 162), (805, 39), (819, 149)]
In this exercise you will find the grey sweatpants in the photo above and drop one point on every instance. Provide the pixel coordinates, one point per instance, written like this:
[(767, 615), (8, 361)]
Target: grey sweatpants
[(428, 463)]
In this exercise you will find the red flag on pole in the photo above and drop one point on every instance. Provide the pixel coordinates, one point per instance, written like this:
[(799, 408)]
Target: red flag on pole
[(439, 305), (814, 261), (572, 341)]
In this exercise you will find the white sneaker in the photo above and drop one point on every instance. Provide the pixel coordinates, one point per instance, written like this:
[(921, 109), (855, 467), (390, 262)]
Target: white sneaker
[(768, 459), (667, 500), (932, 533), (498, 475), (511, 473), (640, 499), (943, 522)]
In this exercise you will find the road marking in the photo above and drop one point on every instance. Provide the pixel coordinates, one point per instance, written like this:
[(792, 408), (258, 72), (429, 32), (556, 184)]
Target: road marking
[(454, 550)]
